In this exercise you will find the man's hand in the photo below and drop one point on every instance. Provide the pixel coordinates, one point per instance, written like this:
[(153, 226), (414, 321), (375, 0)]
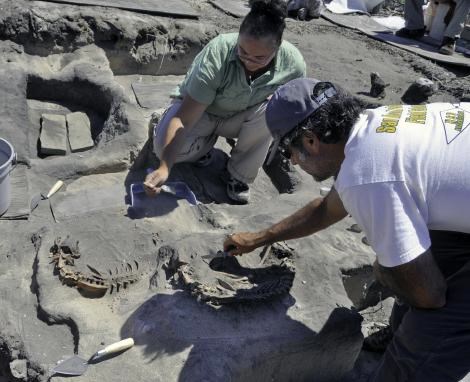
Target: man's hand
[(155, 180), (242, 242)]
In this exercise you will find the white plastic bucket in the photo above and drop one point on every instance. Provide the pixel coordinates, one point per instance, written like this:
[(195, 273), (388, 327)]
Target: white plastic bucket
[(7, 159)]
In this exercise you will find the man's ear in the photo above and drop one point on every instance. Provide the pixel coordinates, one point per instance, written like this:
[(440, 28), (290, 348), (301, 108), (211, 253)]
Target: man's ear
[(311, 143)]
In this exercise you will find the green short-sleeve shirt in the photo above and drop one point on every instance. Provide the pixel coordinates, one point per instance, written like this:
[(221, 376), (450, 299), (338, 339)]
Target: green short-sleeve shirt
[(217, 77)]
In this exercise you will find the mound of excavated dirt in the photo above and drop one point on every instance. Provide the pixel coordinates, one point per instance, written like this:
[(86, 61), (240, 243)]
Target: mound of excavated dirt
[(60, 59)]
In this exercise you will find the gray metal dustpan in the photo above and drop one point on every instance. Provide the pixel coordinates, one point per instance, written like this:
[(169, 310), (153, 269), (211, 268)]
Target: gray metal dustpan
[(76, 365)]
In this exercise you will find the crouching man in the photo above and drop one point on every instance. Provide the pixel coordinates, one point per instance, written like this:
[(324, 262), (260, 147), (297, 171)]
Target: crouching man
[(401, 172)]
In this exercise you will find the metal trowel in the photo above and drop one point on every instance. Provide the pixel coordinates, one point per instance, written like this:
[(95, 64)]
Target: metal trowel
[(76, 365), (37, 198)]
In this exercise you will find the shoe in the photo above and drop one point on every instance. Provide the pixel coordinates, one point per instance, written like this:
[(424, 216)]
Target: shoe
[(447, 46), (205, 160), (377, 342), (410, 33), (238, 191)]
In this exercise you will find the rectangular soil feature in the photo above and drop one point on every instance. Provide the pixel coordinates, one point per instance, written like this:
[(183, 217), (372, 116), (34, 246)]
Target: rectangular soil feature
[(53, 135)]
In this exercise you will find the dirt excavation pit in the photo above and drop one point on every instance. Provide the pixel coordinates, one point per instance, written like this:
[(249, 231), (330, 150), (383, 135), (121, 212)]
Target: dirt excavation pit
[(68, 117), (78, 63)]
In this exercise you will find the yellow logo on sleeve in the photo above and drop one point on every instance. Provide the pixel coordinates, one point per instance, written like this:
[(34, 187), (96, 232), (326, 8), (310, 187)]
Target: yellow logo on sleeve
[(455, 121)]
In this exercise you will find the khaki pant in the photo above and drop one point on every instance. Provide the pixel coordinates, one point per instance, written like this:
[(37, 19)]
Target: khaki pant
[(414, 18), (248, 127)]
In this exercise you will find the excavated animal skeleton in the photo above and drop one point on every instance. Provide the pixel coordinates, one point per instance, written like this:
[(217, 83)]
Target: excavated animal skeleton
[(225, 281), (64, 253)]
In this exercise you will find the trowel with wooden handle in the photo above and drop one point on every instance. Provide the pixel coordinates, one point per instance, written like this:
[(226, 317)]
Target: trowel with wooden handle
[(37, 198), (76, 365)]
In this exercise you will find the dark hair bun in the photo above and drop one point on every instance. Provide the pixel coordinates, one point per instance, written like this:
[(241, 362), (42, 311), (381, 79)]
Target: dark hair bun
[(276, 9)]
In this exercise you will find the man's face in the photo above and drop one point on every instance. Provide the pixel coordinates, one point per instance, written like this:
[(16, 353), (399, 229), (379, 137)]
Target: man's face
[(314, 158)]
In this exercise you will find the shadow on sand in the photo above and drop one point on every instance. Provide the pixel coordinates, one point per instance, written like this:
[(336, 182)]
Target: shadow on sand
[(242, 343)]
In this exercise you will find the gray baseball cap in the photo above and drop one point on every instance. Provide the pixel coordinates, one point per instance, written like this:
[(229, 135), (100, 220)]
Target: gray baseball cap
[(291, 104)]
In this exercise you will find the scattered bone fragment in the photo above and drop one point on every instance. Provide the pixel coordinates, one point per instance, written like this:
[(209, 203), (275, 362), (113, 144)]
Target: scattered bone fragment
[(53, 134), (355, 228), (419, 91), (377, 86), (79, 130)]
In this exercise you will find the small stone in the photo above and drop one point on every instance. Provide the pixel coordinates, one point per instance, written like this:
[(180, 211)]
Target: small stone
[(355, 228), (465, 97), (304, 9), (378, 85), (419, 91), (19, 369), (304, 282), (325, 191)]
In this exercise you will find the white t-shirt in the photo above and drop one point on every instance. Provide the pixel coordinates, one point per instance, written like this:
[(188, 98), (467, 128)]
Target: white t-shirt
[(407, 171)]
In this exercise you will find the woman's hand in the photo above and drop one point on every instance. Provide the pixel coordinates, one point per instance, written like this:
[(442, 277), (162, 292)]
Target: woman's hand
[(242, 242), (155, 180)]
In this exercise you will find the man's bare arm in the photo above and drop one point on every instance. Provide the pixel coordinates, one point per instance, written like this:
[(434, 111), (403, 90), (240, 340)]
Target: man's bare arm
[(419, 283), (315, 216)]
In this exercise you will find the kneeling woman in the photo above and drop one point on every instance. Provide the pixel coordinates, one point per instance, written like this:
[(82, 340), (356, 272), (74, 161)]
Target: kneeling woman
[(225, 94)]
